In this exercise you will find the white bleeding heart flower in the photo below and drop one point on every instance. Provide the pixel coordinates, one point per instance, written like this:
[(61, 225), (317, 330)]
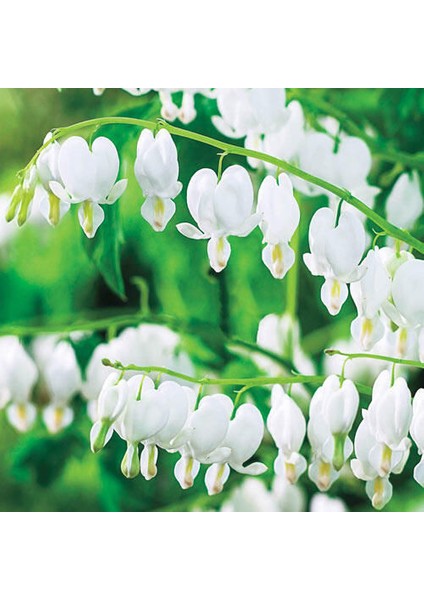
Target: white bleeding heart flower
[(178, 402), (220, 209), (336, 251), (244, 436), (381, 443), (89, 179), (287, 427), (404, 204), (417, 433), (333, 410), (365, 467), (287, 141), (207, 428), (144, 415), (156, 169), (347, 164), (51, 206), (110, 404), (408, 292), (390, 411), (61, 376), (249, 110), (369, 295), (280, 217), (18, 375)]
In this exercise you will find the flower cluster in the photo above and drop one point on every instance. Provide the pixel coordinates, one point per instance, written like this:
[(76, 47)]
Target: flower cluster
[(47, 370), (169, 417)]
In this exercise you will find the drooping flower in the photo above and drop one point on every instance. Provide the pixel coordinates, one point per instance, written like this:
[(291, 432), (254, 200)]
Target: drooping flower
[(61, 377), (389, 416), (244, 435), (144, 415), (249, 111), (280, 218), (221, 209), (369, 295), (287, 426), (378, 487), (178, 401), (52, 207), (286, 143), (405, 203), (18, 375), (381, 442), (346, 164), (207, 428), (417, 433), (336, 251), (332, 413), (22, 197), (156, 169), (408, 292), (110, 404), (89, 179)]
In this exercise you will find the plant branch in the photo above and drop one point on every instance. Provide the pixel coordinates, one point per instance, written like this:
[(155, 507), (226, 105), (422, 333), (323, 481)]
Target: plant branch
[(341, 193), (397, 361), (246, 382)]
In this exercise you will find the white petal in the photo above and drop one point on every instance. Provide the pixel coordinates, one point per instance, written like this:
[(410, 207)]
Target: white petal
[(278, 258), (191, 231), (158, 212), (77, 168), (333, 295), (90, 216), (116, 192), (106, 160), (219, 251)]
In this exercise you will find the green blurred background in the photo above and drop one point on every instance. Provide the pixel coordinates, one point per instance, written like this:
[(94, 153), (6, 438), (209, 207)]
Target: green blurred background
[(52, 276)]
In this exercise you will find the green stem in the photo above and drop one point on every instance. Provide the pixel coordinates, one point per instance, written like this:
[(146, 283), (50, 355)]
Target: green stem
[(342, 193), (246, 382), (378, 147), (293, 278), (397, 361)]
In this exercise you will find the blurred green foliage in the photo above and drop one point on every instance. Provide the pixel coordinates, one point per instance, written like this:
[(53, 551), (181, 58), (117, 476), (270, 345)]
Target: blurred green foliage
[(56, 274)]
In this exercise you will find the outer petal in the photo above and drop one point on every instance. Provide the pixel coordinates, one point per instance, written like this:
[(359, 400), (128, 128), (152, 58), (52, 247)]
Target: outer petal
[(106, 161), (77, 168), (345, 245), (233, 201), (200, 199)]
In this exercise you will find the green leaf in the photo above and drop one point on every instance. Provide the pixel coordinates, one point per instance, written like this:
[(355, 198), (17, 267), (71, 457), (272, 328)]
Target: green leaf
[(104, 250)]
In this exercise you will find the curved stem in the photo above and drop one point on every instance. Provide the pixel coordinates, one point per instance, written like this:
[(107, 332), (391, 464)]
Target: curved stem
[(343, 194), (246, 382), (397, 361)]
